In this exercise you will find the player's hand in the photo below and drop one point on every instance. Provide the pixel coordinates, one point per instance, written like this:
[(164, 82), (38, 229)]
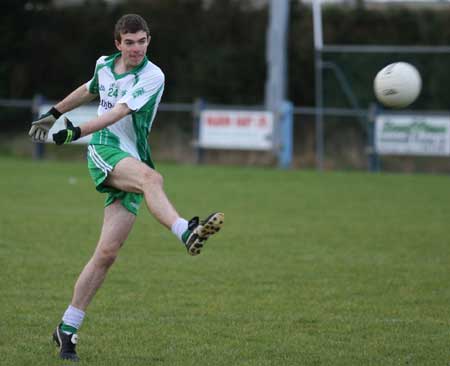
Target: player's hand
[(69, 134), (39, 129)]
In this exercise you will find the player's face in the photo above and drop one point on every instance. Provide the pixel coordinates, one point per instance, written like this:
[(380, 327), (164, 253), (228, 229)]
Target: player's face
[(133, 47)]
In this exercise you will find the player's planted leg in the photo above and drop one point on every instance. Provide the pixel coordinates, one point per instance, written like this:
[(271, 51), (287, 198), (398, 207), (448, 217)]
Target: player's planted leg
[(66, 343), (116, 226)]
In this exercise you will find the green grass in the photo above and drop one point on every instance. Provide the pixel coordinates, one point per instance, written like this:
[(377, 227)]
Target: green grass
[(310, 269)]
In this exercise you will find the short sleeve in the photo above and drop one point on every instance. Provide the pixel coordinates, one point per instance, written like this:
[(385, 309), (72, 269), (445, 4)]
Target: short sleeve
[(146, 87), (92, 85)]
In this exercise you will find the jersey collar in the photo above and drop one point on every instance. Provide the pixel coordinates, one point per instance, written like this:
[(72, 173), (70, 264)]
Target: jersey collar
[(112, 60)]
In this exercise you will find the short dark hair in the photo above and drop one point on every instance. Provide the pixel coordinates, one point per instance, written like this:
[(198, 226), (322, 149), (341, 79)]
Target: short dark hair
[(130, 23)]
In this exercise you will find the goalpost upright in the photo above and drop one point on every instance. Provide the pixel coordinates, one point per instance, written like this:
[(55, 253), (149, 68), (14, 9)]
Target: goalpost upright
[(320, 49)]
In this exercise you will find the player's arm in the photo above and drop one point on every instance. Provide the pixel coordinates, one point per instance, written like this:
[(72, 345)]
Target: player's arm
[(40, 127), (119, 111), (72, 133), (147, 88), (79, 96)]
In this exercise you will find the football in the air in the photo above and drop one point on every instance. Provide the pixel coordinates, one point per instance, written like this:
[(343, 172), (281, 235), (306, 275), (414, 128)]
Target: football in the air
[(397, 85)]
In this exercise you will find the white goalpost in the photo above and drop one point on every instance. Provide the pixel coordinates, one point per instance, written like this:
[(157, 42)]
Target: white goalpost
[(424, 133)]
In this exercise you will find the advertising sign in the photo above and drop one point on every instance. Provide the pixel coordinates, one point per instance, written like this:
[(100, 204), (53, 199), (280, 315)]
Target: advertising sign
[(240, 130), (412, 135)]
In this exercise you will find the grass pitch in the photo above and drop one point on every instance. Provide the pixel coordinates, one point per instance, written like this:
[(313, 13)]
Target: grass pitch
[(310, 269)]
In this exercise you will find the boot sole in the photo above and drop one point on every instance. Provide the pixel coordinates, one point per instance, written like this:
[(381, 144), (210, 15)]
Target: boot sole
[(210, 226)]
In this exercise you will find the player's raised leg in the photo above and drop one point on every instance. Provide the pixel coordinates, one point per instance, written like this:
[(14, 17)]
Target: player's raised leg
[(131, 175)]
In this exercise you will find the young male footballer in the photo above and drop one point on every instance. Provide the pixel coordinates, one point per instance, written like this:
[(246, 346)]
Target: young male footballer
[(129, 87)]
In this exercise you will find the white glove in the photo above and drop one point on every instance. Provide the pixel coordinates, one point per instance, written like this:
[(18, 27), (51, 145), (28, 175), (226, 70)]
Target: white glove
[(39, 129)]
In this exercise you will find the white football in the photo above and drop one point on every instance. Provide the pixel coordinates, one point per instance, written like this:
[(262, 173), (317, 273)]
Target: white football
[(397, 85)]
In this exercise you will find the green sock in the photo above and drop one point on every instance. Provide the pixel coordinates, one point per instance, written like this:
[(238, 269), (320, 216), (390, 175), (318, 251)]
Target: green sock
[(67, 328)]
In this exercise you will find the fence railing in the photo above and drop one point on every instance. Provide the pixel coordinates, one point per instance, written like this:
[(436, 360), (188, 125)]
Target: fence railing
[(368, 116)]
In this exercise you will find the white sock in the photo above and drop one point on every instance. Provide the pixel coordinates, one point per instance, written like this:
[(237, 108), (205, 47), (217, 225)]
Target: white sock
[(73, 317), (179, 227)]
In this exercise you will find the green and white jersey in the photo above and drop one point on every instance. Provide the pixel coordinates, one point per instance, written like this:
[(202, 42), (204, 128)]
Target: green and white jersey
[(141, 89)]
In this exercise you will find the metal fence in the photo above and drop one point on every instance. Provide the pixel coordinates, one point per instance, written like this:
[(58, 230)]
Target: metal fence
[(348, 139)]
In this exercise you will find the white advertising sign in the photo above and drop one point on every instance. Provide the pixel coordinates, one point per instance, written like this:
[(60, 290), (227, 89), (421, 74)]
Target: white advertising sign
[(412, 135), (76, 116), (240, 130)]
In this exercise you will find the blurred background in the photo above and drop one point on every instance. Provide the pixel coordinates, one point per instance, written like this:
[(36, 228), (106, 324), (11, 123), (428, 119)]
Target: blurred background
[(215, 53)]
